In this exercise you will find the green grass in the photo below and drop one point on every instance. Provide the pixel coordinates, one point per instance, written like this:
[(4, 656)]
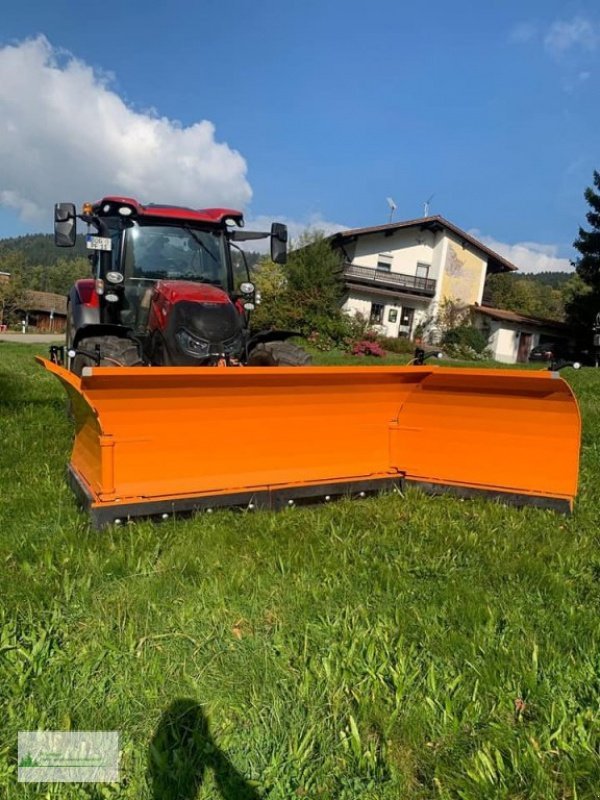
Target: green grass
[(400, 647)]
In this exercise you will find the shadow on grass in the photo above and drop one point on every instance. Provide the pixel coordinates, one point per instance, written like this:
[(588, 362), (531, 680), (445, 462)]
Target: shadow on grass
[(16, 393), (12, 389), (181, 751)]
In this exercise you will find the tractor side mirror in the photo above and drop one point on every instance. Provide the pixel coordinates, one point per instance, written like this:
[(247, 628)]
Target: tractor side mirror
[(279, 238), (65, 224)]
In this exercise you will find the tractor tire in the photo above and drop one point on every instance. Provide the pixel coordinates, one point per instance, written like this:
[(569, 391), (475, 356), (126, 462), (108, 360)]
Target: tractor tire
[(279, 354), (114, 352)]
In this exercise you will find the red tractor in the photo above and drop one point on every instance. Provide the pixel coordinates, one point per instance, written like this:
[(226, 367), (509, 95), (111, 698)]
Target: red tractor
[(167, 290)]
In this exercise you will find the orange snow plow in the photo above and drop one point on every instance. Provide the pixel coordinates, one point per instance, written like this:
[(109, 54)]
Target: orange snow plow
[(159, 440)]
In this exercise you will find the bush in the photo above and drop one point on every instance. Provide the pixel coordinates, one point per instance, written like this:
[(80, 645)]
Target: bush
[(321, 341), (401, 345), (367, 347), (467, 337)]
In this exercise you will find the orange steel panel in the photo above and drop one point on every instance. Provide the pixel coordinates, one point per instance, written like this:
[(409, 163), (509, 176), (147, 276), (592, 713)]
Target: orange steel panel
[(156, 432), (485, 430)]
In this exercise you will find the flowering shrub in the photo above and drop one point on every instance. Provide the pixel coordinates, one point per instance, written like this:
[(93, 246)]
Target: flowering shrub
[(367, 347), (321, 341), (465, 353)]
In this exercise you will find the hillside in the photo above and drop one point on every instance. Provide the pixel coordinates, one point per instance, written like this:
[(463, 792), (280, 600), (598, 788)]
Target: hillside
[(38, 249), (553, 279), (545, 294)]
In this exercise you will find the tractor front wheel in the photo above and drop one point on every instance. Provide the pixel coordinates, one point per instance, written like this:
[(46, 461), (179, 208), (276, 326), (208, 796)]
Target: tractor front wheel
[(114, 352), (279, 354)]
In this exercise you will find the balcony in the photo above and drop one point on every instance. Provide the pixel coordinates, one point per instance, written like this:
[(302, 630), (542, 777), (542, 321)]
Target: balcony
[(395, 281)]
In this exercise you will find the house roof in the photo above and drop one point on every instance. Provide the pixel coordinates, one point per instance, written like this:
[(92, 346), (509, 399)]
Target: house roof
[(495, 261), (504, 315), (45, 301)]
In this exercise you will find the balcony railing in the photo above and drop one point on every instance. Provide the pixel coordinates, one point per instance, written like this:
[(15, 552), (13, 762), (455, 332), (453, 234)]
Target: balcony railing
[(392, 280)]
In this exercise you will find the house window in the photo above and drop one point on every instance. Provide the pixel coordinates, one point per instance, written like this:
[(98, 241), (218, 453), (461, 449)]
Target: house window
[(376, 317), (384, 262), (393, 315), (423, 271)]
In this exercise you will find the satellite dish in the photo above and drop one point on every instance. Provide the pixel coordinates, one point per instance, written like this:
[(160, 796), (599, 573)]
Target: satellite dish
[(392, 206)]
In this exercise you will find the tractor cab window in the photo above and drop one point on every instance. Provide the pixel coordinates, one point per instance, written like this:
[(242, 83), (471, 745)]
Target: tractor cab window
[(170, 252), (241, 273)]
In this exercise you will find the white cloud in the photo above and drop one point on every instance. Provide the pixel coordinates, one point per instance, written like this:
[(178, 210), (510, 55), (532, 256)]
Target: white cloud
[(564, 35), (65, 134), (529, 256)]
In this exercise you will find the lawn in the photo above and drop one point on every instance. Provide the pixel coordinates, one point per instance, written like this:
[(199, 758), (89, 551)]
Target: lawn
[(396, 647)]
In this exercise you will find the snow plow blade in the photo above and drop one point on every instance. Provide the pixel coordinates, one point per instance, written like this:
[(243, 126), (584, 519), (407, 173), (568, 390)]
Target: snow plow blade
[(157, 440)]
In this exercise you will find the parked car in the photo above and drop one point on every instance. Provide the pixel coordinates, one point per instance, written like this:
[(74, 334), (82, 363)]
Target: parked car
[(560, 351), (550, 351)]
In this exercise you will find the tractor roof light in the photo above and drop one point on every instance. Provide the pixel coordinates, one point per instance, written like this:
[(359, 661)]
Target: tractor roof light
[(125, 211), (87, 209), (239, 221)]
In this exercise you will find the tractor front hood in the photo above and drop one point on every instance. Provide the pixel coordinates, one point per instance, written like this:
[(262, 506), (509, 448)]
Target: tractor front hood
[(174, 291)]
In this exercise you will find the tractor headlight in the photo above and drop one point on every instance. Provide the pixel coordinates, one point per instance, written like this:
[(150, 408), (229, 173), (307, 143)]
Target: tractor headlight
[(234, 345), (114, 277), (192, 345)]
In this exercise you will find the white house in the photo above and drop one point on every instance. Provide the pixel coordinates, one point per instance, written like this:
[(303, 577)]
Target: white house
[(511, 336), (397, 275)]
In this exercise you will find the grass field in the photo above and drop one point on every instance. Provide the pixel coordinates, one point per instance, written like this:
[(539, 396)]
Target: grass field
[(400, 647)]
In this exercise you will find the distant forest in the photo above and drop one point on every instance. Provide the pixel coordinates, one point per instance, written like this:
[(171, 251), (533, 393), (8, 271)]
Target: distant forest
[(553, 279), (545, 294), (38, 249)]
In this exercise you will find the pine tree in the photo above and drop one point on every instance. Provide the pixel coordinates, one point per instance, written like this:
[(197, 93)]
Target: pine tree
[(585, 306)]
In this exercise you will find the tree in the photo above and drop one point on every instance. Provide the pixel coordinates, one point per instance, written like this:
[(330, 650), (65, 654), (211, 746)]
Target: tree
[(584, 306), (274, 310), (306, 294), (11, 287), (39, 248), (314, 280), (525, 295), (57, 277)]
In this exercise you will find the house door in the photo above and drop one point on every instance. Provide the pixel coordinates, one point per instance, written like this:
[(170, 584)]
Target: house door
[(406, 321), (524, 347)]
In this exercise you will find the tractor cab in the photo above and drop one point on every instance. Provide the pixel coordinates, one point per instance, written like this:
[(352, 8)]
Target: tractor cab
[(164, 276), (153, 253)]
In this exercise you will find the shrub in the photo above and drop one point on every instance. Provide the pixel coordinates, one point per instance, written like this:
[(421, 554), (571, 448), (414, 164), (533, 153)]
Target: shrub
[(400, 345), (367, 347), (321, 341), (465, 336)]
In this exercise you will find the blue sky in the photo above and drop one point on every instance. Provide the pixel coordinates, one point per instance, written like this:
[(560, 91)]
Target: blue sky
[(332, 106)]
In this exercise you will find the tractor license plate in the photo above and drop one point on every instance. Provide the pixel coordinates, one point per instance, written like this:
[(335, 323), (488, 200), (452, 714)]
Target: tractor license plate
[(98, 242)]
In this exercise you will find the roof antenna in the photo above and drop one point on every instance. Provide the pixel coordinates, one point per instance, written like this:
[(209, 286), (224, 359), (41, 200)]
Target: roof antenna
[(426, 205), (392, 206)]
